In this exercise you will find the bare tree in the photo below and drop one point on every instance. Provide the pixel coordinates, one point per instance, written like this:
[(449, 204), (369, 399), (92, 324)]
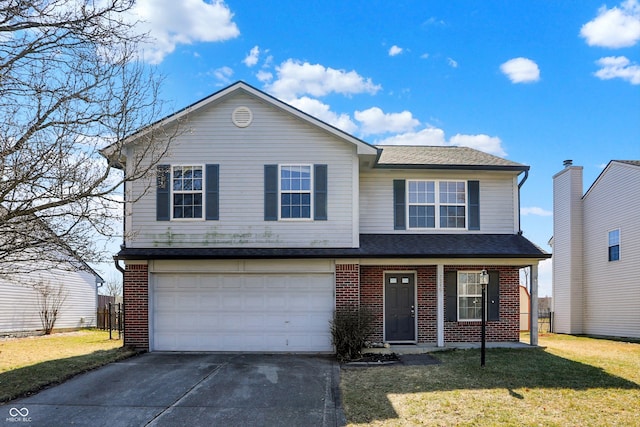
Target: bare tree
[(113, 286), (50, 300), (71, 83)]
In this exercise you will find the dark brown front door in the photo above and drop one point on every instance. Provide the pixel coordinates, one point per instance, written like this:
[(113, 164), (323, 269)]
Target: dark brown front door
[(399, 307)]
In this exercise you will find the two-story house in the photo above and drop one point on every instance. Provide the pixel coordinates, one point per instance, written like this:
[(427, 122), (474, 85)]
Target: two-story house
[(264, 220), (596, 251)]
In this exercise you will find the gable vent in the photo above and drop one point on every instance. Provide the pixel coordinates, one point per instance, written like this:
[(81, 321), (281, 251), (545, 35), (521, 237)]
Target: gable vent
[(242, 117)]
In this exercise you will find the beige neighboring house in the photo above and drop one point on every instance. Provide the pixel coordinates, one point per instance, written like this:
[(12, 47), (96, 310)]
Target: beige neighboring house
[(19, 306), (596, 251)]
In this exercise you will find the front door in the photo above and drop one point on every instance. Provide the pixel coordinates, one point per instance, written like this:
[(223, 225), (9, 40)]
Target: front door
[(399, 307)]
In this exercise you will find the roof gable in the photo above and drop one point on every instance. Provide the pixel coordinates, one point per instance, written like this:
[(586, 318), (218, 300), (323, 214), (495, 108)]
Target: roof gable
[(633, 164), (242, 87)]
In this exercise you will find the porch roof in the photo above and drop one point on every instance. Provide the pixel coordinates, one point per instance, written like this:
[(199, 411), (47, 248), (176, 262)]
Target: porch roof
[(371, 246)]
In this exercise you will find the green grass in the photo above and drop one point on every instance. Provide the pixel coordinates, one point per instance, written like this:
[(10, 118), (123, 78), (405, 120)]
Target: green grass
[(31, 364), (574, 381)]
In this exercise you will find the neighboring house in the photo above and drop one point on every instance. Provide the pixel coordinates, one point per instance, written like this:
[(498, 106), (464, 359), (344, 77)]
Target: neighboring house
[(596, 251), (19, 301), (264, 220)]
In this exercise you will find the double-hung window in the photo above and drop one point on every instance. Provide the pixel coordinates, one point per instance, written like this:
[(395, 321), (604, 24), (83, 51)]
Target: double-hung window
[(437, 204), (469, 296), (614, 245), (187, 190), (295, 191), (422, 204)]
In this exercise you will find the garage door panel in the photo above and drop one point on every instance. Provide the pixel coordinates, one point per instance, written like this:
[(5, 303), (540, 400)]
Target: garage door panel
[(242, 312)]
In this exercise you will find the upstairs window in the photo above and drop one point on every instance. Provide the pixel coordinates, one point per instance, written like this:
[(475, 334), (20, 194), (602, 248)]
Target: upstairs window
[(614, 245), (187, 189), (295, 191), (453, 199), (437, 204)]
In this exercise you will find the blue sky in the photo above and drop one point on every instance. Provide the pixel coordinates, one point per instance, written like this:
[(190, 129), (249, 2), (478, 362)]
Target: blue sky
[(535, 82)]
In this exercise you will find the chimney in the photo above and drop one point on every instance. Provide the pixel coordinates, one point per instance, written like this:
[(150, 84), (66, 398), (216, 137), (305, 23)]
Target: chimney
[(567, 163)]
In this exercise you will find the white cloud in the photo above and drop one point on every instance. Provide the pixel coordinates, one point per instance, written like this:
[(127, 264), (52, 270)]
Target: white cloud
[(223, 74), (170, 22), (613, 67), (321, 111), (252, 57), (521, 70), (452, 63), (375, 121), (436, 136), (614, 28), (534, 210), (486, 143), (302, 78), (264, 76), (395, 50), (426, 136)]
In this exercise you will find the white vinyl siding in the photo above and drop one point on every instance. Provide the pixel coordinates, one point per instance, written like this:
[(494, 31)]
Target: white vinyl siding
[(19, 307), (498, 200), (274, 137), (567, 251), (611, 289)]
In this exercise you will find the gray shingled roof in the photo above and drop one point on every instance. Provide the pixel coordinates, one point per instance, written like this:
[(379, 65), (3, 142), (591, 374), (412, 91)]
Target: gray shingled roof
[(629, 162), (371, 246), (440, 157)]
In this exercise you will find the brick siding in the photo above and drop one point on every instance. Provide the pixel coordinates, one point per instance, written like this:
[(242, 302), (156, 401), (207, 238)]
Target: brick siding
[(136, 306), (505, 329)]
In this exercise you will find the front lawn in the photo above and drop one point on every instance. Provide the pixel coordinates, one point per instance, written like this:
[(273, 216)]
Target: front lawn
[(574, 381), (30, 364)]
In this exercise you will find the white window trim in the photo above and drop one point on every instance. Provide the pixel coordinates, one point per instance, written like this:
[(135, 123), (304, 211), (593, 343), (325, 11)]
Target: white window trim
[(311, 187), (619, 245), (479, 319), (437, 204), (203, 191)]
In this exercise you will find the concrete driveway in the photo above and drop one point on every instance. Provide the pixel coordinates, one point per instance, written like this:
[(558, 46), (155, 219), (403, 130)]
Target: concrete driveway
[(186, 389)]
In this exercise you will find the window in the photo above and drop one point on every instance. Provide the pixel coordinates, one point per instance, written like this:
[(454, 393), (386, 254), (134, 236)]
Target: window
[(422, 204), (187, 191), (469, 296), (437, 202), (614, 245), (295, 191)]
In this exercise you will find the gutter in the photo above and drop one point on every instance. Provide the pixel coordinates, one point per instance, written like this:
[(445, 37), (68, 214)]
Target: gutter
[(117, 264), (520, 184)]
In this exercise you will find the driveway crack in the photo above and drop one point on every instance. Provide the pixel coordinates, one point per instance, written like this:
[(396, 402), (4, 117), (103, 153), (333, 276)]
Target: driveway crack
[(197, 385)]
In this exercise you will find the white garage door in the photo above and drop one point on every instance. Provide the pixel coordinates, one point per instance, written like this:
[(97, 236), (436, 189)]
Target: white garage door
[(242, 312)]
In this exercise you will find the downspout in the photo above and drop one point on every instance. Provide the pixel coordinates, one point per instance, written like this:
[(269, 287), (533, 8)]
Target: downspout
[(118, 266), (520, 184)]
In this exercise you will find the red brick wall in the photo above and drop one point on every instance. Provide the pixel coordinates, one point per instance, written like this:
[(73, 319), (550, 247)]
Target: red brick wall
[(372, 295), (507, 328), (347, 285), (136, 306)]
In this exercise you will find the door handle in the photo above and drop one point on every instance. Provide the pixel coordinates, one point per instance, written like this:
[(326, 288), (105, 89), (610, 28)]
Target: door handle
[(413, 311)]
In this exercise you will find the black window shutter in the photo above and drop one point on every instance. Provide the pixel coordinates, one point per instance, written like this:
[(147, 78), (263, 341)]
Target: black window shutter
[(493, 296), (212, 200), (451, 293), (399, 204), (320, 192), (270, 192), (163, 194), (473, 190)]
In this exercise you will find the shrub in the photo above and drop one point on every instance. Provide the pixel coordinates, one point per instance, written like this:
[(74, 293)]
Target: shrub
[(350, 328)]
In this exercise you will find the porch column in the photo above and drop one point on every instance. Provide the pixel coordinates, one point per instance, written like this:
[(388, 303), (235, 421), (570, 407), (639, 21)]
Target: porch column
[(533, 309), (440, 304)]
